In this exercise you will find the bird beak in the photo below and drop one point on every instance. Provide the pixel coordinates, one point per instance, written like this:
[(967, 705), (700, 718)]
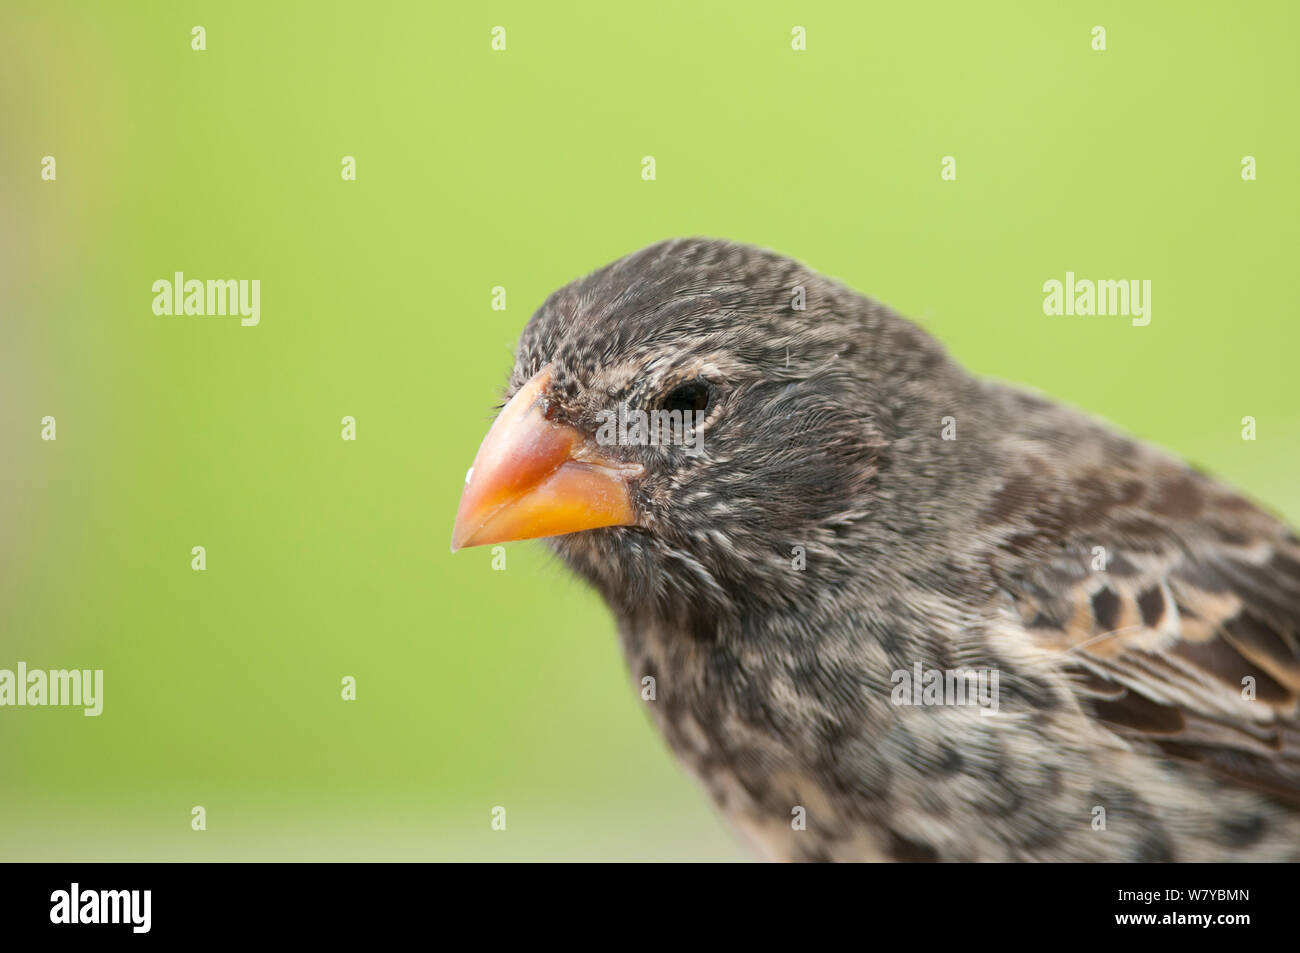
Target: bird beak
[(534, 477)]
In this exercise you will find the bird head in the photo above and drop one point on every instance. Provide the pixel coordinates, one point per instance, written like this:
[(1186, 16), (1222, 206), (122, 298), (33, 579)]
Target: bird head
[(684, 422)]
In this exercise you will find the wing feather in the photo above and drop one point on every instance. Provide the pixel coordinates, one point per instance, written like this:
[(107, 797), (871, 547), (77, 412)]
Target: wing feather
[(1175, 604)]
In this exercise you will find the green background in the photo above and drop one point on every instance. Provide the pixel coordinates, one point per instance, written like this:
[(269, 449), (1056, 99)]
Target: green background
[(523, 169)]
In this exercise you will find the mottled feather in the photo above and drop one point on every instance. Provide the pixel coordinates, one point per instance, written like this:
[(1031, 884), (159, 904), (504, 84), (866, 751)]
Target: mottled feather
[(1123, 732)]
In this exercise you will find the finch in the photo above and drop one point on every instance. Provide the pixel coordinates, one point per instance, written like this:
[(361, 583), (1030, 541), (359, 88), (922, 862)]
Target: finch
[(891, 610)]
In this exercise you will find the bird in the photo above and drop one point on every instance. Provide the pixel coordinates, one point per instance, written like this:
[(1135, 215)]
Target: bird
[(845, 510)]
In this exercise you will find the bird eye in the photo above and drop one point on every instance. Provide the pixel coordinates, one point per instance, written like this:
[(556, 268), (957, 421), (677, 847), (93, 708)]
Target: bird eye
[(694, 395)]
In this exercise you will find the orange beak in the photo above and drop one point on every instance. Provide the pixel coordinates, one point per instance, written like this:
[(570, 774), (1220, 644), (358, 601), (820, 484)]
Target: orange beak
[(533, 477)]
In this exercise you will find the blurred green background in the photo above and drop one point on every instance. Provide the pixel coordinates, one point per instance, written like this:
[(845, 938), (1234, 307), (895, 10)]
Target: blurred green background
[(522, 168)]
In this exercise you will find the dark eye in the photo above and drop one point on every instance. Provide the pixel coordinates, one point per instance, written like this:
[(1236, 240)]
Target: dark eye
[(694, 395)]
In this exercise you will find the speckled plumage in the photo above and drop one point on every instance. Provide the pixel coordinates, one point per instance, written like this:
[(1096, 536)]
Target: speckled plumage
[(1119, 688)]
